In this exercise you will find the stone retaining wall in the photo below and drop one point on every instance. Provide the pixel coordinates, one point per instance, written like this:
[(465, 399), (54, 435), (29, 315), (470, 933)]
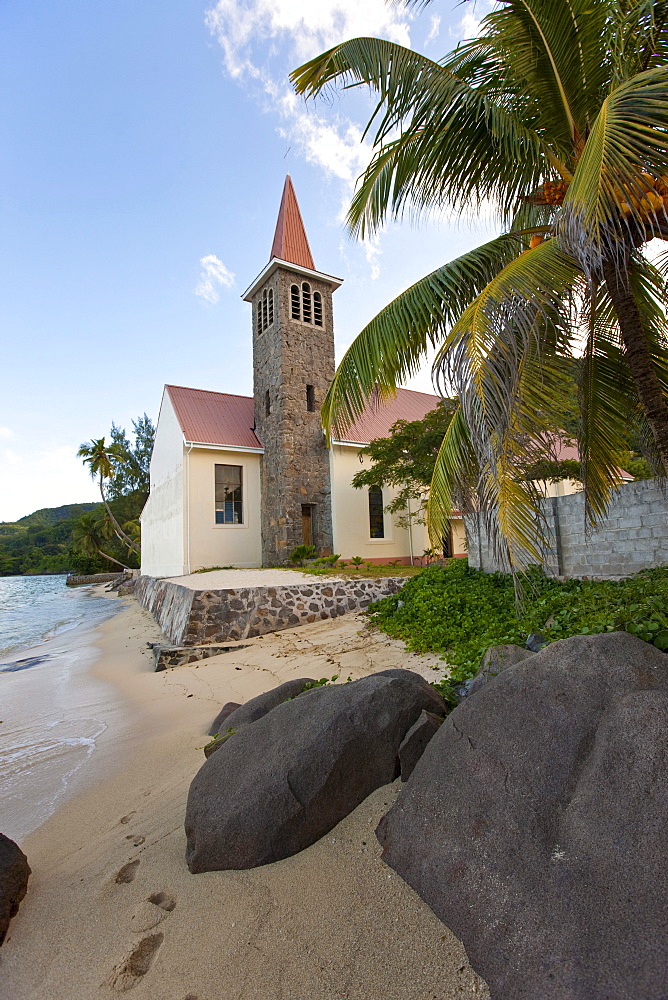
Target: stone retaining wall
[(198, 617), (79, 581), (633, 536)]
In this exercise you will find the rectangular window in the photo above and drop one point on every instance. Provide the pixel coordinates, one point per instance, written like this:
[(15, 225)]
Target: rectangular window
[(310, 399), (376, 519), (267, 404), (229, 496)]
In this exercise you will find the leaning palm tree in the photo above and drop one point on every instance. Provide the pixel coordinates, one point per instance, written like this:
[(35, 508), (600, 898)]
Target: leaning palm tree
[(88, 537), (100, 459), (557, 116)]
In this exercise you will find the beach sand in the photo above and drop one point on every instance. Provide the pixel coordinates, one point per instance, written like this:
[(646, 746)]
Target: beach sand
[(112, 907)]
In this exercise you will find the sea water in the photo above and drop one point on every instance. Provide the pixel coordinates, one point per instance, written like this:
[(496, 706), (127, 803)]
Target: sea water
[(35, 608), (50, 706)]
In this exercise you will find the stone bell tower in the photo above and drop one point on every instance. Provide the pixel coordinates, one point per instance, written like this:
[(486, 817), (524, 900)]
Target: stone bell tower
[(293, 365)]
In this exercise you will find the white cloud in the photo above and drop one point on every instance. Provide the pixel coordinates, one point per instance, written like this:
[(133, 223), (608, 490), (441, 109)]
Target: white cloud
[(262, 40), (6, 433), (435, 28), (46, 477), (213, 275), (469, 26)]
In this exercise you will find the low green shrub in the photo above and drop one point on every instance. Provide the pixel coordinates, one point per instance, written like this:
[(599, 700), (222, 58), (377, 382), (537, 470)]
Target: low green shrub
[(459, 612)]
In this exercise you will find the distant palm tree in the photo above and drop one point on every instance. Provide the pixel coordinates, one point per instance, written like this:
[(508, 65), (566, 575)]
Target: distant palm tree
[(88, 538), (556, 116), (100, 459)]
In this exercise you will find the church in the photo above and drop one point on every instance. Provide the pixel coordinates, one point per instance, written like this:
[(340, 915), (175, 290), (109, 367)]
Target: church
[(242, 481)]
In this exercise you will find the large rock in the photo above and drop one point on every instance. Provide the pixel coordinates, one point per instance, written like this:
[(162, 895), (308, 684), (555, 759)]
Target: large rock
[(535, 825), (14, 872), (282, 782), (255, 708)]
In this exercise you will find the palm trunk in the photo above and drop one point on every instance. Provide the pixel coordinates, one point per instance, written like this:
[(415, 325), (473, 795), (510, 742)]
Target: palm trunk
[(111, 559), (133, 547), (634, 339)]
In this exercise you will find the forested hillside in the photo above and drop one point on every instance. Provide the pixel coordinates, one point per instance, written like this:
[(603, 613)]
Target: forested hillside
[(42, 542), (88, 537)]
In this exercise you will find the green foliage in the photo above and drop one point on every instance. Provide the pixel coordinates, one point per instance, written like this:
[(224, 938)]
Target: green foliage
[(302, 553), (357, 561), (131, 470), (460, 612), (327, 560), (310, 685), (557, 115)]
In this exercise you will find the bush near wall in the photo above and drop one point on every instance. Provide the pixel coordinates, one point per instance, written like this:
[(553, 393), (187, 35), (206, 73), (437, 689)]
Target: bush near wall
[(460, 612)]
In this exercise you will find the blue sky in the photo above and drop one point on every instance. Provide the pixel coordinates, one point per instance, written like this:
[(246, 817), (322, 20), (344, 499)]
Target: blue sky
[(142, 157)]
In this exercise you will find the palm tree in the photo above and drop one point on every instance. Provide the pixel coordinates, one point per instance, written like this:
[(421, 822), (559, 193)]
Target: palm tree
[(100, 459), (557, 115), (87, 536)]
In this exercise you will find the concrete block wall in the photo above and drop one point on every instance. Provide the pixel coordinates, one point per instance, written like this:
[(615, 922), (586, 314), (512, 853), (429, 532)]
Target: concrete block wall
[(633, 536)]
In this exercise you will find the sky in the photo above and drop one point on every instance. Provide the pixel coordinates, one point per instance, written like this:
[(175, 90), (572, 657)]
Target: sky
[(143, 151)]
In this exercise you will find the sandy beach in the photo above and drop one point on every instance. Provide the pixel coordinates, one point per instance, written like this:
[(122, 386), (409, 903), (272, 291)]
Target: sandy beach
[(111, 905)]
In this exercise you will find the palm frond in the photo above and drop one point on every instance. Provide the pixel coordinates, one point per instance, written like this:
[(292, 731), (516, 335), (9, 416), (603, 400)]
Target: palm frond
[(612, 188), (454, 142), (391, 347)]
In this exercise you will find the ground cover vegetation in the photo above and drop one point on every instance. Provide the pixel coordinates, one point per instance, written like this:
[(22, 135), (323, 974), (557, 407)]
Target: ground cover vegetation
[(460, 612), (92, 537), (556, 115)]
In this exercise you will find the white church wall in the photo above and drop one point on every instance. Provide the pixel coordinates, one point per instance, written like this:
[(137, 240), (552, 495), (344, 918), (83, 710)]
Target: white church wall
[(214, 544), (162, 520), (350, 508)]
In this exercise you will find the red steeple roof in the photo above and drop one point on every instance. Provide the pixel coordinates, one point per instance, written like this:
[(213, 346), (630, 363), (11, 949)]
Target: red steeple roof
[(290, 241)]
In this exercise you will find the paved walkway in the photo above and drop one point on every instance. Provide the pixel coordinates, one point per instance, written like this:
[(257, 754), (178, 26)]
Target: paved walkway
[(234, 579)]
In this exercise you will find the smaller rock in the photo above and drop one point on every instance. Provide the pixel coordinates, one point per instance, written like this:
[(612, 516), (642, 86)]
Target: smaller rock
[(415, 741), (14, 872), (226, 710), (494, 662), (535, 642)]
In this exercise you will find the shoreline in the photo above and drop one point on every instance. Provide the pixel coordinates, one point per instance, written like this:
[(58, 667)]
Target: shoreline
[(110, 894)]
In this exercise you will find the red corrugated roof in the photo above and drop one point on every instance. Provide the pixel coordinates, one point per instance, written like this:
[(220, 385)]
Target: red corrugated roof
[(376, 421), (214, 417), (290, 241)]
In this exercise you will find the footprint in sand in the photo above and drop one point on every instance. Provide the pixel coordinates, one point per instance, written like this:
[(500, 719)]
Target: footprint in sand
[(127, 872), (126, 819), (136, 839), (151, 911), (135, 965)]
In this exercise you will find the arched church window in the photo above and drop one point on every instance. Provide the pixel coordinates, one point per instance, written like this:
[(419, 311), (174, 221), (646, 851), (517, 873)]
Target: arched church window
[(295, 310), (267, 403), (306, 303), (265, 323), (310, 399), (376, 518), (258, 317), (317, 308), (270, 304)]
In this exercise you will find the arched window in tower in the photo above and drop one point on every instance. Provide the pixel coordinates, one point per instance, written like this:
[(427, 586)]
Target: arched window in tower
[(295, 310), (376, 518), (317, 308), (270, 306), (258, 317), (306, 303), (265, 324), (267, 404)]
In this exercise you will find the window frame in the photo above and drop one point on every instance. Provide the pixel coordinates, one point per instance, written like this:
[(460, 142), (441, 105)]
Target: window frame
[(241, 523), (376, 538)]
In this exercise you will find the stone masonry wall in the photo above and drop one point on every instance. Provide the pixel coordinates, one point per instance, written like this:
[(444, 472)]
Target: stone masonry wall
[(198, 617), (287, 357), (633, 536)]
